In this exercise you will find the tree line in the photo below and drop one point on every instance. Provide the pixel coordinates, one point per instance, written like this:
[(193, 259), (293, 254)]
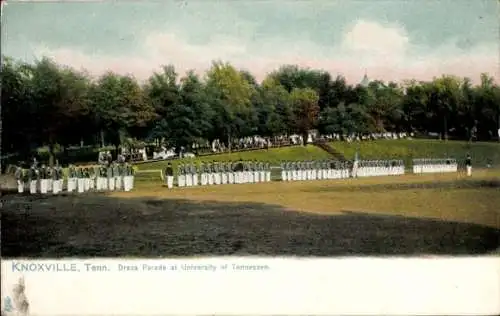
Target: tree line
[(47, 104)]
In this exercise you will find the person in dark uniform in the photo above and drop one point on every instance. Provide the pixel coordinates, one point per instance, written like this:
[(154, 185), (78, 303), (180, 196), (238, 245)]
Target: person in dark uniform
[(468, 165), (169, 176)]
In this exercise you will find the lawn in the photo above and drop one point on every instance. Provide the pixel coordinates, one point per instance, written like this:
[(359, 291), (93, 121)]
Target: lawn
[(272, 155), (402, 215), (369, 150), (481, 152)]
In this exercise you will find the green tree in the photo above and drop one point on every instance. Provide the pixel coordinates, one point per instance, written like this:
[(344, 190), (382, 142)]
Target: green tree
[(230, 94), (305, 110)]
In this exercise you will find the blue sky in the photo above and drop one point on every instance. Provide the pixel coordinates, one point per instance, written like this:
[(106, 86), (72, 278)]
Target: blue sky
[(393, 40)]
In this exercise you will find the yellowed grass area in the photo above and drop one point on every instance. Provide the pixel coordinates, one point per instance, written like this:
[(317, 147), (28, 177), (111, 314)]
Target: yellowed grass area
[(453, 200)]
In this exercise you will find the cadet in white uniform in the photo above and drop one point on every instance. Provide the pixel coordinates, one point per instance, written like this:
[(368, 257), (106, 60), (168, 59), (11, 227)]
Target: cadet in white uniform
[(44, 181), (105, 178), (194, 171), (238, 168), (169, 176), (230, 172), (71, 181), (55, 181), (468, 165), (268, 171), (189, 175), (19, 179), (48, 175), (283, 170), (181, 179), (210, 173), (34, 179), (204, 174)]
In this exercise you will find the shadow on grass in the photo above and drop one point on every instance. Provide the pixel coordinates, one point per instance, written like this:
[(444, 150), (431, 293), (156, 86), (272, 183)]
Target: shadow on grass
[(382, 187), (98, 226)]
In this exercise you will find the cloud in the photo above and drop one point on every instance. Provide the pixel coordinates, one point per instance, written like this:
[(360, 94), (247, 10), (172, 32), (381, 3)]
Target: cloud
[(387, 52)]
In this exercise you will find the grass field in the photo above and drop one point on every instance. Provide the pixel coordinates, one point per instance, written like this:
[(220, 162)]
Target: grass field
[(379, 149), (402, 215)]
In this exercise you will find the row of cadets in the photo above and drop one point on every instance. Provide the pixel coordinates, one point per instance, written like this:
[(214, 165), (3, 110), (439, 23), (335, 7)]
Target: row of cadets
[(313, 170), (216, 173)]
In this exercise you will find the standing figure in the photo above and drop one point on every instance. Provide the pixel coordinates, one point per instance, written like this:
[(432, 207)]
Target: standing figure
[(104, 178), (288, 168), (169, 176), (19, 178), (60, 177), (268, 171), (194, 172), (189, 176), (49, 174), (34, 179), (71, 174), (79, 180), (468, 165), (44, 181), (229, 172), (238, 168), (283, 170), (218, 173), (111, 179), (117, 175), (204, 175), (55, 180), (262, 172), (181, 179), (126, 177), (256, 171), (223, 167), (210, 172)]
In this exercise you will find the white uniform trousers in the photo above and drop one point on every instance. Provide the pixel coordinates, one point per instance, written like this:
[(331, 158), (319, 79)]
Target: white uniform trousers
[(230, 177), (268, 176), (289, 175), (33, 186), (170, 182), (189, 180), (217, 178), (195, 179), (469, 171), (283, 175), (50, 185), (204, 180), (105, 183), (80, 185), (55, 188), (181, 181), (210, 179), (256, 176), (224, 178), (20, 186), (44, 183)]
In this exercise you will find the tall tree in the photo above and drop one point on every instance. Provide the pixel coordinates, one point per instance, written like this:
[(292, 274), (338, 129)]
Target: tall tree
[(305, 110), (231, 96)]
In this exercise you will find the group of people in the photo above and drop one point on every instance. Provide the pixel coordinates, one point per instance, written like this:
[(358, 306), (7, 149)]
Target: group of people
[(216, 173), (45, 179), (315, 170)]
